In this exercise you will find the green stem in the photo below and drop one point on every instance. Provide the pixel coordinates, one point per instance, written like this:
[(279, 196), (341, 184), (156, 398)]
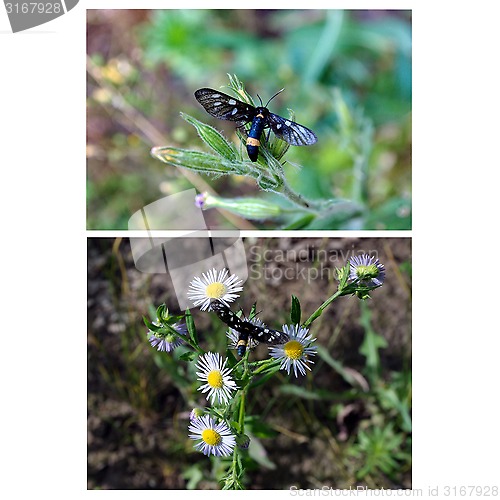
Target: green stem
[(319, 311), (241, 416), (199, 350), (297, 199), (263, 365), (187, 341), (320, 207)]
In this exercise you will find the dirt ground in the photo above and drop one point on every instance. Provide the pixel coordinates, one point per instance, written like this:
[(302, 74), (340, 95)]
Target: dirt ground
[(137, 413)]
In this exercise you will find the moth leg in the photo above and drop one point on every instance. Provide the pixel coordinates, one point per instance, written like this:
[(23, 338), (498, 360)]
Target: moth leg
[(244, 132), (268, 135)]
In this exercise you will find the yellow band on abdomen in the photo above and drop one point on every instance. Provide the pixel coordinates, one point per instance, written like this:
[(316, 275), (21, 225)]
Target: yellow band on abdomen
[(253, 142)]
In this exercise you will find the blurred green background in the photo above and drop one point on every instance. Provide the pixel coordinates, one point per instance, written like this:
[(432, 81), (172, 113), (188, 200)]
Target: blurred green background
[(347, 423), (143, 67)]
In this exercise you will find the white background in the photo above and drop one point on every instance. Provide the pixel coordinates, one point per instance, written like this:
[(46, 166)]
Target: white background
[(455, 251)]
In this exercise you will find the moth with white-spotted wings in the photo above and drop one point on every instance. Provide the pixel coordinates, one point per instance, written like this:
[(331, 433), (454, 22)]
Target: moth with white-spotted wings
[(225, 107), (247, 329)]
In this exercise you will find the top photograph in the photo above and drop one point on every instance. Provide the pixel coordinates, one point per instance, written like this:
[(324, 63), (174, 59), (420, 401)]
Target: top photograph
[(249, 119)]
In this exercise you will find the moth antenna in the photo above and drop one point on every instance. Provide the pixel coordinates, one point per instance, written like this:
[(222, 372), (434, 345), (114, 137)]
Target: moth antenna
[(261, 100), (279, 92)]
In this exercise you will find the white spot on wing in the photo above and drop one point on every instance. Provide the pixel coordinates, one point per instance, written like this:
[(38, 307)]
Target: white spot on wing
[(232, 102), (288, 123), (218, 103), (234, 111), (278, 126)]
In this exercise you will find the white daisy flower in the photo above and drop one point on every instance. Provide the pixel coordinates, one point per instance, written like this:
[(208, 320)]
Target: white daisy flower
[(219, 383), (295, 353), (213, 439), (214, 286)]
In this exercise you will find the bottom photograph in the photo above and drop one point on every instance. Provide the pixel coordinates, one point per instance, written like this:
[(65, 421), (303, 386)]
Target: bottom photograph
[(249, 363)]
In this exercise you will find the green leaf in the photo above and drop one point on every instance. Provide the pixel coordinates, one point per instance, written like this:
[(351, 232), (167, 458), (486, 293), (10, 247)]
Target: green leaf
[(395, 213), (257, 427), (295, 313), (265, 375), (237, 86), (170, 364), (151, 326), (259, 454), (389, 399), (187, 356), (325, 48), (344, 275), (204, 163), (147, 322), (213, 138), (193, 475), (191, 327), (231, 359), (301, 222), (253, 310), (249, 208), (161, 312), (268, 184), (299, 392), (350, 376), (372, 341), (273, 164)]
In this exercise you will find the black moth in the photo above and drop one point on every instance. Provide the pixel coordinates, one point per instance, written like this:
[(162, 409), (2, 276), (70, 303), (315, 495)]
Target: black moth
[(225, 107), (247, 329)]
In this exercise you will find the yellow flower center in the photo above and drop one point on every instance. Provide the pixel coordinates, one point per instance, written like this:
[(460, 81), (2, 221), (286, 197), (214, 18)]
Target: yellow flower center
[(211, 437), (294, 349), (366, 272), (215, 290), (214, 379)]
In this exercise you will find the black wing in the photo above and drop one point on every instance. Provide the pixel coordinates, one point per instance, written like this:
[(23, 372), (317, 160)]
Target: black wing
[(230, 318), (268, 335), (291, 132), (259, 333), (224, 106)]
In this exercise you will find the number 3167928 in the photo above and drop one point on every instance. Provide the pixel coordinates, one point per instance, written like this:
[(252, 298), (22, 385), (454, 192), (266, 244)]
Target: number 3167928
[(33, 7)]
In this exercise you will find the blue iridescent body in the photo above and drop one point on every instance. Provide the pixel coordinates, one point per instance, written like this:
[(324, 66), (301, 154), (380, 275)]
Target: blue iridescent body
[(225, 107)]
